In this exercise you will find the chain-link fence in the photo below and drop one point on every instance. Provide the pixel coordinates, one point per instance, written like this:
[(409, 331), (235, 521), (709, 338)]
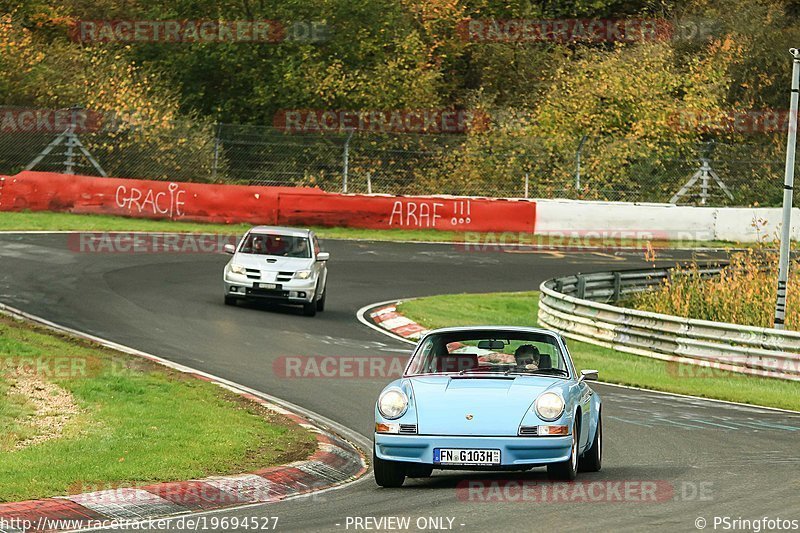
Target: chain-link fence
[(592, 168)]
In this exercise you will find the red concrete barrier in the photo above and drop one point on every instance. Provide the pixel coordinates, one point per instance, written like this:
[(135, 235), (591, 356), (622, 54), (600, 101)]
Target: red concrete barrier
[(45, 191), (406, 212)]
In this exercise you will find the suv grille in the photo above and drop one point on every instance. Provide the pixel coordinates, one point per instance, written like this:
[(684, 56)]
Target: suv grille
[(253, 273)]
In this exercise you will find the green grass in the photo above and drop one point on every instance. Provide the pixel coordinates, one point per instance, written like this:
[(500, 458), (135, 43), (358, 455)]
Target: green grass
[(14, 409), (520, 309), (46, 221), (139, 422)]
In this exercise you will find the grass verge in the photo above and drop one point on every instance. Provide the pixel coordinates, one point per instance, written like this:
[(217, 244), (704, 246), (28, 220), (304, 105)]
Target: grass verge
[(46, 221), (136, 422), (521, 309)]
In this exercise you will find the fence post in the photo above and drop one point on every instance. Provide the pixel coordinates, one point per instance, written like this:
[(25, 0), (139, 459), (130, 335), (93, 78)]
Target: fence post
[(369, 182), (578, 164), (527, 182), (346, 157), (217, 133)]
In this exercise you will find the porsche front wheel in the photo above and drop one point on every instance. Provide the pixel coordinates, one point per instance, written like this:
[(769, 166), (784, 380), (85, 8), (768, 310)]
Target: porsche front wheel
[(591, 461), (389, 474), (567, 470)]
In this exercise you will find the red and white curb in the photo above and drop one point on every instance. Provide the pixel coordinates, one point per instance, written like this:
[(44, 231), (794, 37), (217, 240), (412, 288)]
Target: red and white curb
[(386, 317), (335, 462)]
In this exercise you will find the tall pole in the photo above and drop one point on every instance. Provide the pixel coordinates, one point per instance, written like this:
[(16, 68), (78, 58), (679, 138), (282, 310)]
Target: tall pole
[(217, 133), (578, 165), (788, 184), (346, 157)]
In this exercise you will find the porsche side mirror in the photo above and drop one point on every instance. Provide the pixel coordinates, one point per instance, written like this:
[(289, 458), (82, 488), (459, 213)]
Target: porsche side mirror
[(589, 375)]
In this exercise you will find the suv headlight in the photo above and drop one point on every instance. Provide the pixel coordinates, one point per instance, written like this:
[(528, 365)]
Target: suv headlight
[(549, 406), (237, 269), (303, 274), (393, 403)]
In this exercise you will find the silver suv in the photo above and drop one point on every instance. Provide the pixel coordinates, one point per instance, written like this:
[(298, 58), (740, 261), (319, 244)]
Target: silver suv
[(278, 264)]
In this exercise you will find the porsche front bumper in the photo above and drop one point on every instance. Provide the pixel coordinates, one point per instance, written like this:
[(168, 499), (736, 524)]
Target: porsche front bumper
[(514, 451)]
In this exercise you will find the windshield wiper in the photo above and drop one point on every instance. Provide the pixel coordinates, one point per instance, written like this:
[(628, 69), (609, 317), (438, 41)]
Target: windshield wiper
[(523, 372), (553, 369), (475, 371)]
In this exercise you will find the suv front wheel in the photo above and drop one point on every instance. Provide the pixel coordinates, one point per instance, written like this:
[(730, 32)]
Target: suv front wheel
[(321, 301)]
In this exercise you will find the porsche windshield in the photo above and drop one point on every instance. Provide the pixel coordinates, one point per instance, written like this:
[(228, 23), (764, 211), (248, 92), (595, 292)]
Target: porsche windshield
[(476, 351), (280, 245)]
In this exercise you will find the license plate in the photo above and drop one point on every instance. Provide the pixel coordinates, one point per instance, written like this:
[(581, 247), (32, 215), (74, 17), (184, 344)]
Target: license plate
[(458, 456), (267, 286)]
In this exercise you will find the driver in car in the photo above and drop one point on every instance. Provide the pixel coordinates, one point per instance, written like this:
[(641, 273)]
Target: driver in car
[(527, 357)]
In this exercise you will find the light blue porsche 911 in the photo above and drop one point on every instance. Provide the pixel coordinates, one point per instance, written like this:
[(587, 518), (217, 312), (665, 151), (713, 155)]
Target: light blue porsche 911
[(488, 398)]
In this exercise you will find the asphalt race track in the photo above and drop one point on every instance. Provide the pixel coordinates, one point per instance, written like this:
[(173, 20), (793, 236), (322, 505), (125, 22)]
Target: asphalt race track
[(708, 459)]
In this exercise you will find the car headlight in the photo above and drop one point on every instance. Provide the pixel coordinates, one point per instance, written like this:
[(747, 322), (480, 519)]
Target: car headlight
[(237, 269), (549, 406), (303, 274), (393, 403)]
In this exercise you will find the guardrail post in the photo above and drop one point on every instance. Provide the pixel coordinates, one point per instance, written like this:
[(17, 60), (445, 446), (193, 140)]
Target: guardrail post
[(581, 286), (617, 286)]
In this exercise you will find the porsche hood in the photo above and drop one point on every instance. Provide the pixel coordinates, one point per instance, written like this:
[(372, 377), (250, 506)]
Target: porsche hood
[(461, 405)]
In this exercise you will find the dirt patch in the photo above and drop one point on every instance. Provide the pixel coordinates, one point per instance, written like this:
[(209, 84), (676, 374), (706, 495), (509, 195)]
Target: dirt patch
[(53, 407)]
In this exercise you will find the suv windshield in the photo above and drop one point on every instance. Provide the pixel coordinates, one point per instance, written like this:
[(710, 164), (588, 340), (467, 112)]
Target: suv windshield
[(511, 352), (280, 245)]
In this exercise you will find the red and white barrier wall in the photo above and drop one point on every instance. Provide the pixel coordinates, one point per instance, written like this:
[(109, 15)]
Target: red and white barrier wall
[(42, 191), (661, 221)]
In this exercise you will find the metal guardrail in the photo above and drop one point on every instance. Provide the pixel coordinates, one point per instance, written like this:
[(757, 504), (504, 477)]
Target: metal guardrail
[(578, 307)]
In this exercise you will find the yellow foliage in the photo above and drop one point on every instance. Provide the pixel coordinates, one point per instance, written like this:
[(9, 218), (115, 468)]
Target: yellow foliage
[(744, 293)]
